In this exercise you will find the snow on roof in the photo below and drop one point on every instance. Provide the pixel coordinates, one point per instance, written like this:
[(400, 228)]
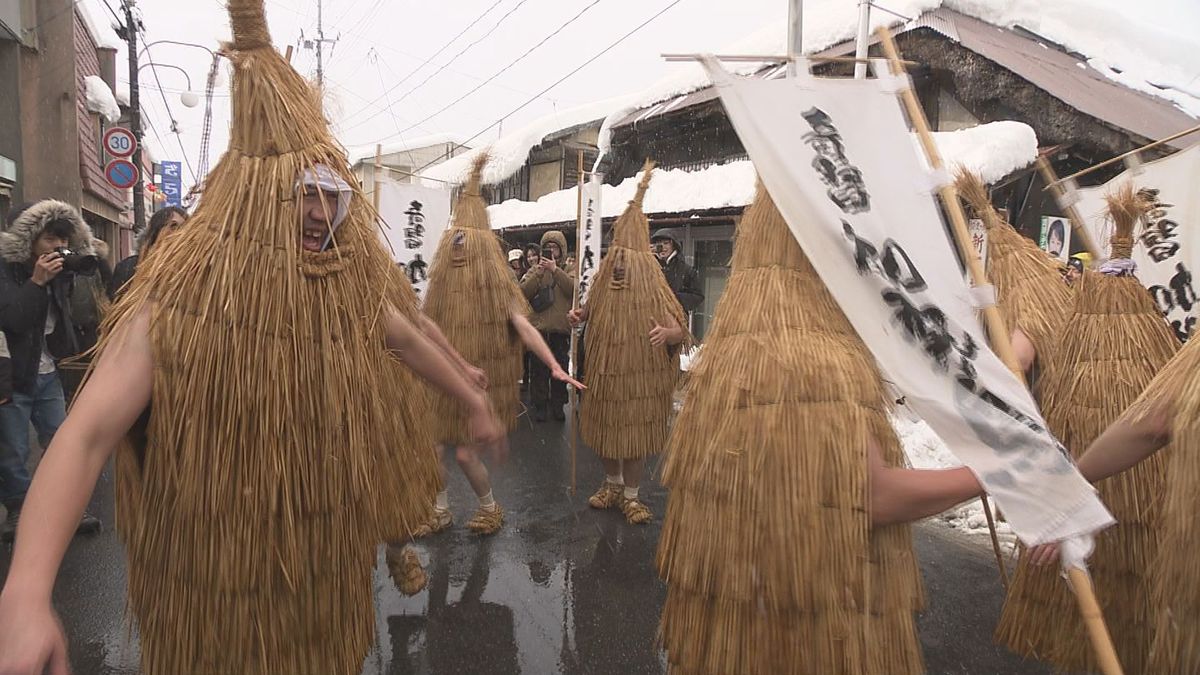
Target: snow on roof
[(508, 153), (99, 98), (991, 150), (101, 30), (358, 152)]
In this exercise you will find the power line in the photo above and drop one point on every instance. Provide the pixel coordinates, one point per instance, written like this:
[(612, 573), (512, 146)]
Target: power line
[(452, 60), (510, 65), (560, 80), (171, 115)]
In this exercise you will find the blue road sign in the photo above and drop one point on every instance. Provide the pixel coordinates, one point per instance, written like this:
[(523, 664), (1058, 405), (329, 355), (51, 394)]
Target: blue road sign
[(121, 174), (172, 182)]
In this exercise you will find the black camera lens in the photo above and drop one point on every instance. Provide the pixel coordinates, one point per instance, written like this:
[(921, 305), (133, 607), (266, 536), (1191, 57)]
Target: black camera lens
[(78, 263)]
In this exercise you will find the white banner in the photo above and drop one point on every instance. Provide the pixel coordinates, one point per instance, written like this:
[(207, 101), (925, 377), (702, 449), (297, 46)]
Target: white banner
[(836, 156), (588, 240), (1168, 249), (414, 218)]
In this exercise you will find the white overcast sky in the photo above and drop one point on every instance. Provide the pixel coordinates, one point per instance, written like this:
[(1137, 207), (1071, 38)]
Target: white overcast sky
[(380, 42)]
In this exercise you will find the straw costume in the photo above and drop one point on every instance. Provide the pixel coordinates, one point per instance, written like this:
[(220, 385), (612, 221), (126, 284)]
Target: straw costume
[(249, 496), (1112, 346), (631, 382), (1030, 290), (1174, 614), (769, 555), (472, 297)]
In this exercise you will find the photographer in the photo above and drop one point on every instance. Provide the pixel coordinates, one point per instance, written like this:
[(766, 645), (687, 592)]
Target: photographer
[(681, 277), (550, 290), (40, 255)]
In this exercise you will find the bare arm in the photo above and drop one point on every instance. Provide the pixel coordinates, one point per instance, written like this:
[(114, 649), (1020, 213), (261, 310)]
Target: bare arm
[(534, 343), (1024, 350), (904, 495), (1124, 444), (475, 375), (426, 360), (31, 639)]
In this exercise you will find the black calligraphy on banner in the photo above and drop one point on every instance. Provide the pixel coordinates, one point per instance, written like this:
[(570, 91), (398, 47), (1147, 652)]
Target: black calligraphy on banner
[(950, 351), (845, 181), (414, 231), (1177, 297), (587, 260)]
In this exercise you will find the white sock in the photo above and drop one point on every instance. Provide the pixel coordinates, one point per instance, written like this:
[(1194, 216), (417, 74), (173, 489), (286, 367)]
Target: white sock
[(442, 502), (631, 492), (615, 480), (487, 501)]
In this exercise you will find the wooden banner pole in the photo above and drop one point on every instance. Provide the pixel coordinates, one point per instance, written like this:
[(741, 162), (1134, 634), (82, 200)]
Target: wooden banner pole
[(998, 334), (1118, 158), (375, 176), (575, 331)]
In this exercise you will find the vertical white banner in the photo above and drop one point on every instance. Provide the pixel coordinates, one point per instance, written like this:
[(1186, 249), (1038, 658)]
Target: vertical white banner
[(414, 218), (835, 155), (589, 238), (1167, 250)]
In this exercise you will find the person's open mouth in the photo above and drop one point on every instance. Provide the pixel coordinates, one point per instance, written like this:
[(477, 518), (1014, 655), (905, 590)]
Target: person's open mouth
[(312, 239)]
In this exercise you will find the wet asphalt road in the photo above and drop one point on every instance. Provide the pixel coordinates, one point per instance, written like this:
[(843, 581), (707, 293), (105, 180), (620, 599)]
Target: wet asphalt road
[(561, 589)]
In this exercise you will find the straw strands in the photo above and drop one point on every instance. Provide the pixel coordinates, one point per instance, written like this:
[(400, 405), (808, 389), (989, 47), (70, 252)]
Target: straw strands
[(767, 550), (1174, 616), (630, 381), (472, 296), (1112, 346), (1030, 290), (250, 503)]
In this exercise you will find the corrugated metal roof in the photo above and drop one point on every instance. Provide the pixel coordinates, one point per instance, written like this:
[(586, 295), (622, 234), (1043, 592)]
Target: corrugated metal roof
[(1042, 63)]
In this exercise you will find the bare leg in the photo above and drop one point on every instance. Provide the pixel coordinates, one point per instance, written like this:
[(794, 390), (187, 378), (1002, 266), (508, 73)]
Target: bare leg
[(612, 467), (474, 469), (632, 470)]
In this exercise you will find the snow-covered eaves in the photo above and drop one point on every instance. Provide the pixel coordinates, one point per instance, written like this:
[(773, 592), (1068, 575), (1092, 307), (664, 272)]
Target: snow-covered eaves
[(360, 152), (992, 151), (98, 98), (101, 30), (507, 154)]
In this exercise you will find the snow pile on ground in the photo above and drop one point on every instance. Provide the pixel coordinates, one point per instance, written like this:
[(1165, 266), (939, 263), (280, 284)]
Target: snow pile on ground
[(99, 99), (991, 150), (925, 450)]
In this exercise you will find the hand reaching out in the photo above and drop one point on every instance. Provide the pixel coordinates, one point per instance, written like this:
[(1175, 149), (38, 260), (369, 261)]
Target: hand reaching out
[(562, 376), (1043, 554), (667, 332)]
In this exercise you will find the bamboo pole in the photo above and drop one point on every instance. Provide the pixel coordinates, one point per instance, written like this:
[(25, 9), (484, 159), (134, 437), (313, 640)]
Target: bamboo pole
[(375, 176), (1131, 153), (739, 58), (287, 55), (962, 237), (1060, 197), (1084, 592), (575, 331)]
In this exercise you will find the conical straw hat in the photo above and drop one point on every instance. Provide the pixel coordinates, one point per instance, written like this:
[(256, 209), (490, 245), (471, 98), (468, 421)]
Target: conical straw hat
[(630, 381), (1112, 345), (254, 487), (472, 295), (767, 550)]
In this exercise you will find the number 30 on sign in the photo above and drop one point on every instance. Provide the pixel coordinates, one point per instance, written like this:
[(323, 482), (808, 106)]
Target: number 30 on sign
[(119, 142)]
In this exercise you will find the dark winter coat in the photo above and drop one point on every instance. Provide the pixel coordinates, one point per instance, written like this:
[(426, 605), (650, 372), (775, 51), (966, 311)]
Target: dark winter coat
[(121, 276), (554, 318), (684, 283), (24, 305)]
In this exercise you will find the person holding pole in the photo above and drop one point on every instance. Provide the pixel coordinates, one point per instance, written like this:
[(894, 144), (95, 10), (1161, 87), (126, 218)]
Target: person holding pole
[(635, 330)]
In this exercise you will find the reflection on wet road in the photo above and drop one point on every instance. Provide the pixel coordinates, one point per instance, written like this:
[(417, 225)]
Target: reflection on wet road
[(560, 589)]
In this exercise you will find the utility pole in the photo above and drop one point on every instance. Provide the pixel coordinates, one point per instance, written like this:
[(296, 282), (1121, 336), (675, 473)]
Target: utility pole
[(129, 32), (320, 44), (863, 40)]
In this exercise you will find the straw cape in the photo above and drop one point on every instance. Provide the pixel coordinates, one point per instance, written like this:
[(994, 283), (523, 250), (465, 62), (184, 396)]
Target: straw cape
[(1174, 616), (1030, 290), (1112, 346), (630, 381), (248, 496), (771, 563), (472, 295)]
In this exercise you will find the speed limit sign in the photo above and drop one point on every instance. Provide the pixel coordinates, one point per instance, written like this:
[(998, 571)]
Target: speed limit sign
[(119, 142)]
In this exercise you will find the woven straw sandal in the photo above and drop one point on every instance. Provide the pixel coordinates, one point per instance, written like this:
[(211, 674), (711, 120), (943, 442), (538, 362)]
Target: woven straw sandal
[(486, 521), (405, 569), (439, 521), (635, 512), (607, 497)]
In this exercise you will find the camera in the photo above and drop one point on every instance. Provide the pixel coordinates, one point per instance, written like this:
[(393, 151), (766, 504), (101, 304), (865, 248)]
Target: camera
[(547, 253), (77, 262)]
